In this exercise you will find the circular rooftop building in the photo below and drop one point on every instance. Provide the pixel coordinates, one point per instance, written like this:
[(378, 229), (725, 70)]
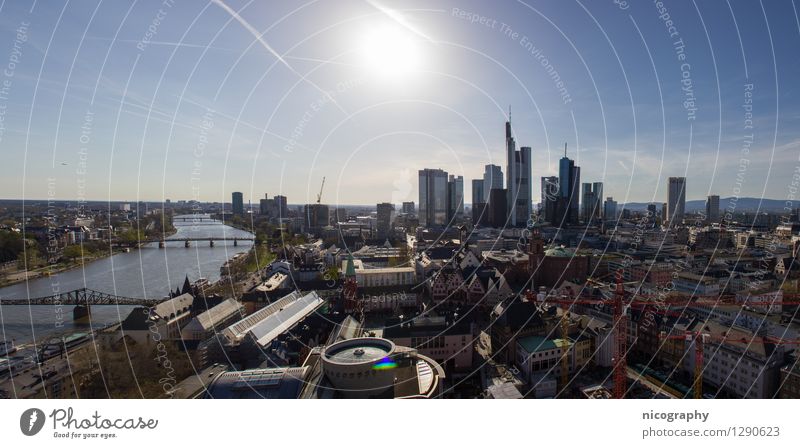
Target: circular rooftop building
[(360, 367)]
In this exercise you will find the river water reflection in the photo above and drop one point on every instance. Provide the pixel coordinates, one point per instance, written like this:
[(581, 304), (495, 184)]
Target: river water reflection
[(146, 272)]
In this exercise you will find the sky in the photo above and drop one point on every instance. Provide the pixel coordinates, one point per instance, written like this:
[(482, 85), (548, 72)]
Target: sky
[(152, 100)]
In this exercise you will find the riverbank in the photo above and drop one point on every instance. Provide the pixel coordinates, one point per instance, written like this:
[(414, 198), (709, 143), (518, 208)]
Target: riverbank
[(21, 276), (146, 272), (50, 270)]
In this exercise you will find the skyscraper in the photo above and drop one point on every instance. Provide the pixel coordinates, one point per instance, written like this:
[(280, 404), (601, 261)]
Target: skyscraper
[(492, 179), (478, 201), (676, 200), (518, 180), (610, 209), (432, 197), (511, 157), (597, 189), (588, 202), (478, 195), (316, 216), (282, 206), (237, 202), (497, 208), (384, 224), (652, 216), (712, 209), (569, 177), (266, 206), (408, 208), (340, 214), (549, 204), (455, 197)]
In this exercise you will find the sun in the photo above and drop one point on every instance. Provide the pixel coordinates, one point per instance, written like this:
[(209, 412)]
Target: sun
[(390, 53)]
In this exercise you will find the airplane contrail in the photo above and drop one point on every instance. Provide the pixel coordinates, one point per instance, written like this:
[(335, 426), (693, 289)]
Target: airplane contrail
[(399, 18), (252, 31), (260, 37)]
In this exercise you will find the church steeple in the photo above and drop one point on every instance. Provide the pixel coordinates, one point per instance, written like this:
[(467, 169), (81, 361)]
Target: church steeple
[(187, 287), (535, 250), (350, 270), (350, 300)]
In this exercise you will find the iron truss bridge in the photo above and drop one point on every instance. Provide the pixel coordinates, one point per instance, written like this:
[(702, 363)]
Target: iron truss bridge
[(83, 296)]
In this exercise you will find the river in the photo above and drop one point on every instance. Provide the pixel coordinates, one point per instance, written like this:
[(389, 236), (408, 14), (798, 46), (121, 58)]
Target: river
[(146, 272)]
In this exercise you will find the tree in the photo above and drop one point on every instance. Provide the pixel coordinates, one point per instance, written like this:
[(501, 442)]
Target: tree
[(138, 372), (30, 258), (11, 245), (72, 252), (130, 236)]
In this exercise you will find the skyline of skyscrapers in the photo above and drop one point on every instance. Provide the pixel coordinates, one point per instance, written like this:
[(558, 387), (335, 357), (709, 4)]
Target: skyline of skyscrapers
[(564, 199)]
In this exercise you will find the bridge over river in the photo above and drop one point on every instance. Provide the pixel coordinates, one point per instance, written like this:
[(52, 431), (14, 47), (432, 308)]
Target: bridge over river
[(82, 299), (187, 242)]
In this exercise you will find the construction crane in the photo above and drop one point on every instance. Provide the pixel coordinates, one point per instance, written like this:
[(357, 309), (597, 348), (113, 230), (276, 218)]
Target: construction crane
[(699, 339), (319, 196), (620, 333), (565, 345), (620, 325), (620, 304)]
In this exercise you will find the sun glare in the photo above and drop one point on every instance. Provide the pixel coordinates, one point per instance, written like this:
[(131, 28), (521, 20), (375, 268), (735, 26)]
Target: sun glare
[(390, 53)]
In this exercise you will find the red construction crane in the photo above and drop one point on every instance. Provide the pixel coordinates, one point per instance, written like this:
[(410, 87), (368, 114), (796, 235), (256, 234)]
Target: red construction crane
[(619, 305), (620, 325), (700, 338)]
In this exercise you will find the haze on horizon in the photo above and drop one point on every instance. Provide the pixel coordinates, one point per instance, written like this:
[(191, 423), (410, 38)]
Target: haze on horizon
[(157, 100)]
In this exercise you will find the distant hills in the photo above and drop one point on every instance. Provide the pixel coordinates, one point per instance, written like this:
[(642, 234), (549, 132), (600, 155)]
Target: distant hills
[(741, 205)]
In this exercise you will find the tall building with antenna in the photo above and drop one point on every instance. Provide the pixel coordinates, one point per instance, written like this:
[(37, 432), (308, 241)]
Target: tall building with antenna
[(569, 178), (518, 179)]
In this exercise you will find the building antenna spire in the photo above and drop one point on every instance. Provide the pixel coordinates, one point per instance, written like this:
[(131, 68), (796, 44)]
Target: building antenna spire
[(565, 149), (509, 112)]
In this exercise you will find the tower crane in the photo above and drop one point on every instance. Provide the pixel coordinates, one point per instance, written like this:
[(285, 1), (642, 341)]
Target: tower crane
[(319, 196), (700, 338), (620, 345), (620, 304)]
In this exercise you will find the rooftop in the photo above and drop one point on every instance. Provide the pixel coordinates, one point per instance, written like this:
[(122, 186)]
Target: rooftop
[(240, 328), (209, 318), (281, 383), (534, 344)]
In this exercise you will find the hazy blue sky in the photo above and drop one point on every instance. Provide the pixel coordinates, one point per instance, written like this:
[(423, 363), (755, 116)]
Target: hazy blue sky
[(184, 101)]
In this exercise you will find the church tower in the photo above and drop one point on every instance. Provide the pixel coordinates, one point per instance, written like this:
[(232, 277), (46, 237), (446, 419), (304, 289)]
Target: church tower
[(535, 252), (350, 287)]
